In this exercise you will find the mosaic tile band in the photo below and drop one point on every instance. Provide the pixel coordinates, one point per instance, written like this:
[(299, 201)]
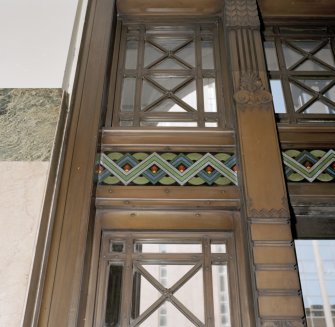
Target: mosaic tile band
[(310, 166), (167, 169), (220, 169)]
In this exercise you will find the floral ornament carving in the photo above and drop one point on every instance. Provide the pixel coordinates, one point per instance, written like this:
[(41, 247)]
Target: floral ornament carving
[(252, 90)]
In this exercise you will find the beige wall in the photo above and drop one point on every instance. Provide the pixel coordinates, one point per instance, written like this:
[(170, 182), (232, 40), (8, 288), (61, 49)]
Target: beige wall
[(22, 187)]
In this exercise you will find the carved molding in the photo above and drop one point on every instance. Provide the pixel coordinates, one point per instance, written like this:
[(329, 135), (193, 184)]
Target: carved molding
[(283, 212), (265, 213), (252, 90), (241, 13)]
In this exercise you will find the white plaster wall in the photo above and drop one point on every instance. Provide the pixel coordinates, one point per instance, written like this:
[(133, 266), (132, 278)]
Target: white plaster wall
[(22, 186), (35, 38)]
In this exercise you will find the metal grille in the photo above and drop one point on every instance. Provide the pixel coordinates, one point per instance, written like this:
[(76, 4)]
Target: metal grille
[(166, 279), (168, 76), (301, 68)]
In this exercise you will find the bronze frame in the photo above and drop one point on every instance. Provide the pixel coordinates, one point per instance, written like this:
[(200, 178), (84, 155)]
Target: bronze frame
[(171, 223), (284, 34), (118, 72), (61, 297)]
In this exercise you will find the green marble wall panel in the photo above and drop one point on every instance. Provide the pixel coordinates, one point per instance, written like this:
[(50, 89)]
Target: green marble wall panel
[(28, 120)]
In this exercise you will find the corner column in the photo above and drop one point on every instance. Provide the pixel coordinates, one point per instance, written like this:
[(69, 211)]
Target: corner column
[(276, 285)]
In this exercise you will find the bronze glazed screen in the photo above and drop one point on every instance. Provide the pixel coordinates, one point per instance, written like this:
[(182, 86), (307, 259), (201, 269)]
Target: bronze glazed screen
[(301, 66), (167, 76), (166, 279)]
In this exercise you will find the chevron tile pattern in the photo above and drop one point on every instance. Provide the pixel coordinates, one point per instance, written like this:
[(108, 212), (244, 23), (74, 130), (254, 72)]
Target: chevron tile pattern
[(311, 166), (220, 169), (117, 168)]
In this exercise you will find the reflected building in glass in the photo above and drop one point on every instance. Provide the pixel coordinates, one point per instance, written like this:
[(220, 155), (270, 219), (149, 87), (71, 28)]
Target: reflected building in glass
[(316, 260)]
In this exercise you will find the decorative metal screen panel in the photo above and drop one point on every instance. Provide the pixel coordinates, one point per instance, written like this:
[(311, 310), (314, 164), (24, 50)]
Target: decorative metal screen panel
[(168, 77), (165, 279), (301, 66)]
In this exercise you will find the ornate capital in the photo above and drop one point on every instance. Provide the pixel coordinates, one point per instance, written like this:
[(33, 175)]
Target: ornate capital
[(252, 90), (241, 13)]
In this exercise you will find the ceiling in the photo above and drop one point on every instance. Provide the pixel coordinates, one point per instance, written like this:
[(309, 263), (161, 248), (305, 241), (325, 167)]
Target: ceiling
[(300, 8), (268, 8)]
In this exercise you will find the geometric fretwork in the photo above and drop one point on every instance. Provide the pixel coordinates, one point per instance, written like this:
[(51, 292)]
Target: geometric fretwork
[(180, 279), (117, 168), (310, 166), (167, 77), (301, 66)]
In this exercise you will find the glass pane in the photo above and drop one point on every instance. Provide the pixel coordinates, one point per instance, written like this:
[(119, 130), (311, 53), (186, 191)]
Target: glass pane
[(299, 96), (113, 302), (271, 55), (128, 94), (116, 246), (319, 107), (167, 315), (278, 96), (170, 43), (168, 106), (144, 295), (326, 55), (218, 248), (306, 45), (172, 124), (316, 263), (188, 94), (168, 248), (172, 273), (291, 56), (330, 94), (168, 82), (221, 296), (310, 66), (151, 54), (187, 54), (131, 54), (315, 84), (166, 123), (211, 124), (169, 64), (207, 53), (209, 95), (191, 295), (126, 123), (149, 94)]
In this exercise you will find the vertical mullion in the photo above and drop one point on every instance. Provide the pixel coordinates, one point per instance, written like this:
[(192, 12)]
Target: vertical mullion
[(198, 78), (127, 286), (234, 299), (102, 292), (111, 108), (139, 77), (222, 113), (117, 75), (208, 283), (284, 78)]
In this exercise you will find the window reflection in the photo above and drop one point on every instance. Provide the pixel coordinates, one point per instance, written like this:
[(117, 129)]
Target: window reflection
[(271, 55), (278, 96), (316, 261), (302, 73)]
